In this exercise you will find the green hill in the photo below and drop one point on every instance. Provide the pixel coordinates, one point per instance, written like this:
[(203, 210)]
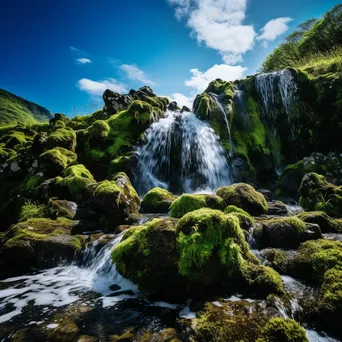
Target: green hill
[(15, 109)]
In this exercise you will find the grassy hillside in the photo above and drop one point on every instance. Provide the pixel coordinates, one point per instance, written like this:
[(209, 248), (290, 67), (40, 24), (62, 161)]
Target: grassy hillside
[(15, 109)]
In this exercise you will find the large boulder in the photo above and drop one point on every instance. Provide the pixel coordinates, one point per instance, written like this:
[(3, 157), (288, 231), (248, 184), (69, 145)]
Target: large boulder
[(115, 102), (245, 197), (187, 203), (62, 137), (148, 256), (116, 199), (38, 243), (157, 200), (327, 224), (317, 194), (287, 232)]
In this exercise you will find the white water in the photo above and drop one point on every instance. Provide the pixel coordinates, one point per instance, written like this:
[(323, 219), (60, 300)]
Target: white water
[(64, 285), (201, 158), (224, 113), (266, 85)]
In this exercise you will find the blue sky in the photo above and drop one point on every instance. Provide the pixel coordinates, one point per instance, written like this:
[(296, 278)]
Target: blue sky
[(63, 54)]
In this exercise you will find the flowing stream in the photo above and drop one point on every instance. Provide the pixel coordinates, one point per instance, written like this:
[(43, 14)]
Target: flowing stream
[(181, 153)]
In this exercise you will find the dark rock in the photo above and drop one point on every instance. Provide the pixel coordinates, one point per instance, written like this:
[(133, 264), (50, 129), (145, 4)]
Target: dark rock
[(172, 106), (185, 109), (115, 102), (277, 208)]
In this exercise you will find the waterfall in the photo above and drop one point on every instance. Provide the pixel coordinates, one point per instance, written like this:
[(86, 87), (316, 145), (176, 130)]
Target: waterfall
[(224, 113), (181, 153), (266, 85)]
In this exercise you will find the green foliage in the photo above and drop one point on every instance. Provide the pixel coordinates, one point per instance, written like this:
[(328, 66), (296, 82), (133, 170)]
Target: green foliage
[(316, 43), (187, 203), (14, 109), (32, 210), (282, 330), (157, 200)]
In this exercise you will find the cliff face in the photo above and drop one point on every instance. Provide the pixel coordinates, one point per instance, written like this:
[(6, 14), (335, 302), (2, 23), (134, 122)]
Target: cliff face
[(14, 109), (275, 119)]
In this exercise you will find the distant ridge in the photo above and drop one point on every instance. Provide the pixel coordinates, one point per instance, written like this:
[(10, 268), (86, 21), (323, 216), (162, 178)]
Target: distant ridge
[(14, 109)]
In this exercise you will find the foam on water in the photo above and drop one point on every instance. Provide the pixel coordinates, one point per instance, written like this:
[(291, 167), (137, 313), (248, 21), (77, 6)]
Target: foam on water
[(64, 285)]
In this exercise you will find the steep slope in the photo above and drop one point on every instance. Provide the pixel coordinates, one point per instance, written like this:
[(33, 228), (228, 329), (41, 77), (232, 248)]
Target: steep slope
[(15, 109)]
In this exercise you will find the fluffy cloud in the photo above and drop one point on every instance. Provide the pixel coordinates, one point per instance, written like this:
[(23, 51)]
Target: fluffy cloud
[(83, 60), (219, 24), (273, 29), (182, 100), (200, 80), (98, 87), (136, 74)]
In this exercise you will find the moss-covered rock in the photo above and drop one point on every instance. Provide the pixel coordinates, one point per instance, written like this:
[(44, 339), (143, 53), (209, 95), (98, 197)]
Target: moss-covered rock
[(287, 232), (62, 137), (63, 208), (116, 199), (246, 221), (38, 243), (317, 194), (78, 170), (148, 255), (245, 197), (276, 258), (326, 223), (282, 330), (54, 161), (187, 203), (157, 200)]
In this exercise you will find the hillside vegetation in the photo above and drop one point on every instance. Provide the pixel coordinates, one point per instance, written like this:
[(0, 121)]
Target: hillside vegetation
[(314, 42), (14, 109)]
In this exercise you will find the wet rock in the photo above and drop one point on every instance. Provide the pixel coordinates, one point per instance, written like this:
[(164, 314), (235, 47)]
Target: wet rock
[(326, 223), (172, 106), (277, 208), (185, 109)]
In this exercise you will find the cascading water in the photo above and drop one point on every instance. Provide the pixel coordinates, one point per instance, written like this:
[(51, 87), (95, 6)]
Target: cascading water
[(181, 153), (266, 85), (64, 285), (224, 113)]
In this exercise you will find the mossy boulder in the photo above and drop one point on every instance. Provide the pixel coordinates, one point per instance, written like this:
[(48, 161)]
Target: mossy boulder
[(116, 199), (327, 224), (63, 208), (245, 197), (246, 221), (78, 170), (56, 160), (148, 255), (187, 203), (287, 232), (38, 243), (157, 200), (282, 330), (275, 258), (62, 137), (317, 194), (32, 210)]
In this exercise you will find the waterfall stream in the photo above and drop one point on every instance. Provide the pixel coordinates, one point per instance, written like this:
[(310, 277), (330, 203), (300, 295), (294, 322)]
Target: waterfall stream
[(266, 86), (181, 153)]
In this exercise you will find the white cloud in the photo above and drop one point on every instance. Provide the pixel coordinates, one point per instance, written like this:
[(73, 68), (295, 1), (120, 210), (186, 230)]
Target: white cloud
[(98, 87), (219, 24), (182, 100), (273, 29), (136, 74), (83, 60), (200, 80)]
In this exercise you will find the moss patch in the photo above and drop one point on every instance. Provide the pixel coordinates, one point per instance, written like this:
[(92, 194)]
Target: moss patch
[(157, 200)]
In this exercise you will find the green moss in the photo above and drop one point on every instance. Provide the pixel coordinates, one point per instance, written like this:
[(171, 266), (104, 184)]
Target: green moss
[(277, 259), (137, 256), (32, 183), (32, 210), (77, 186), (315, 258), (246, 221), (157, 200), (57, 159), (326, 223), (6, 154), (263, 279), (245, 197), (62, 137), (282, 330), (99, 130), (205, 232), (187, 203), (331, 291), (78, 170)]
